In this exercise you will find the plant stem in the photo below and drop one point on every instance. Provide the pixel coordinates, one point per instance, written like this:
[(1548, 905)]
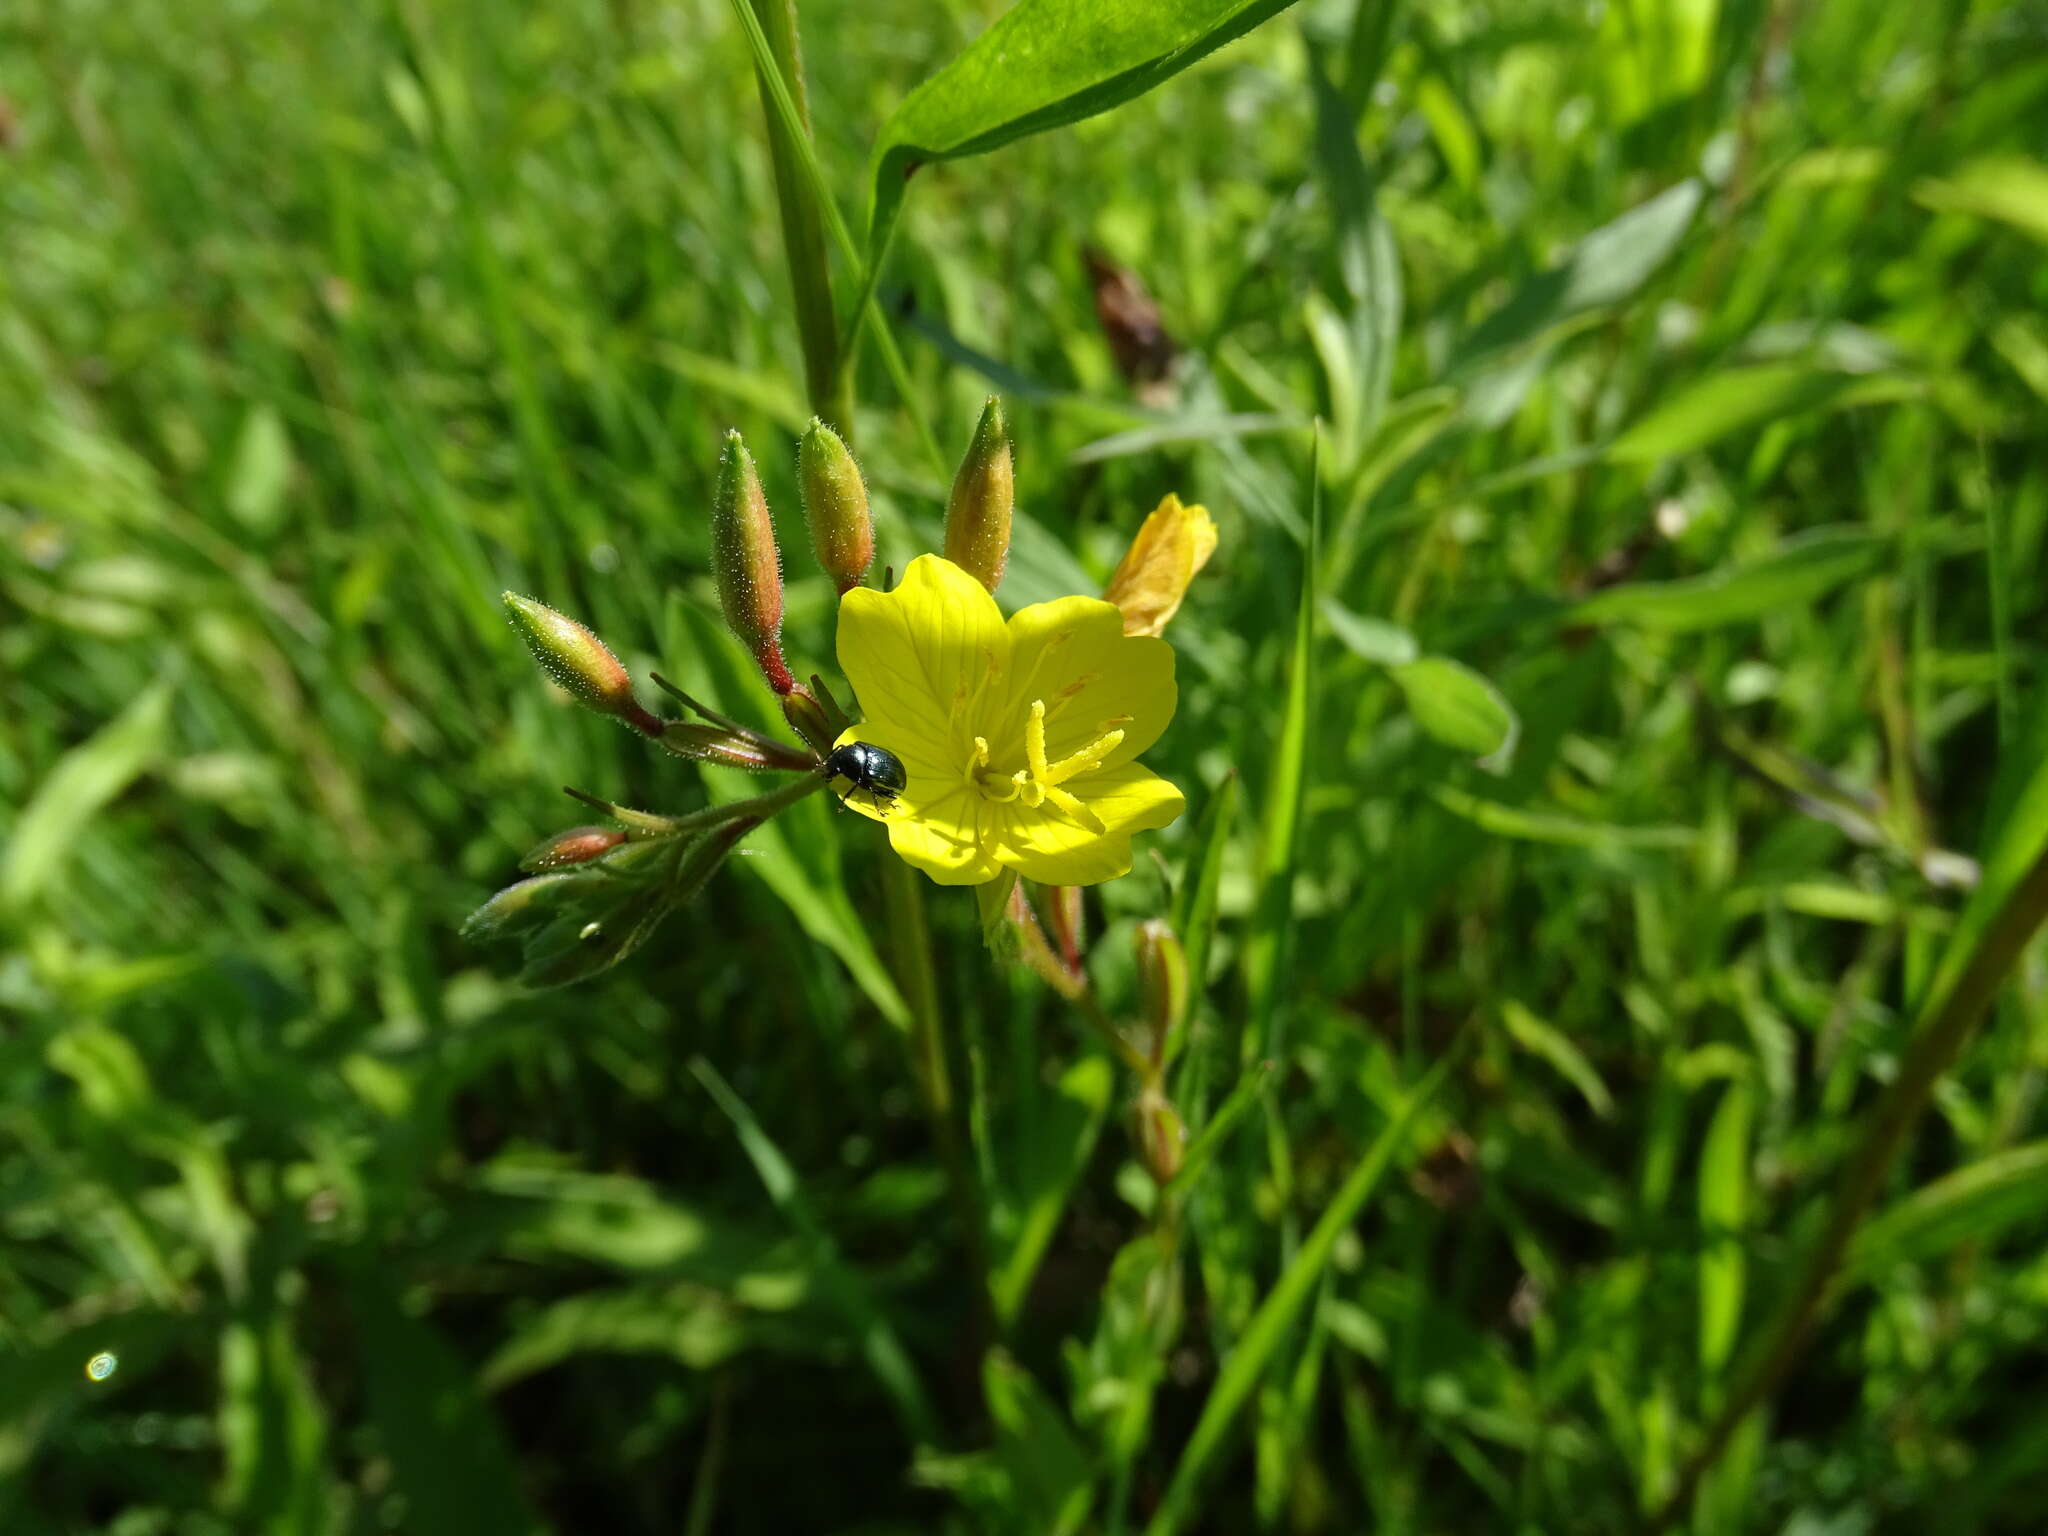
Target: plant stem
[(803, 225), (911, 952)]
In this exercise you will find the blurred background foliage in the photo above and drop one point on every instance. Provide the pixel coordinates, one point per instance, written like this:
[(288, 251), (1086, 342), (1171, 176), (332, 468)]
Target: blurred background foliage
[(1683, 368)]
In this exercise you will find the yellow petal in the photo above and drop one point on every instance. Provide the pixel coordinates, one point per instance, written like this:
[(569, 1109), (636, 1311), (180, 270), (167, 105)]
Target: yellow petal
[(1045, 846), (918, 656), (1153, 576), (946, 838), (1073, 654)]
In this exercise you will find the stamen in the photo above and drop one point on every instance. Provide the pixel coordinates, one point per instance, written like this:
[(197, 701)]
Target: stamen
[(1067, 802), (1034, 740), (1089, 757)]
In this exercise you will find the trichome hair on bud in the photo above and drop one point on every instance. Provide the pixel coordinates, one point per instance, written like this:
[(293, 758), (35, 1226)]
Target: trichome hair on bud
[(835, 506), (580, 662), (984, 497), (747, 564)]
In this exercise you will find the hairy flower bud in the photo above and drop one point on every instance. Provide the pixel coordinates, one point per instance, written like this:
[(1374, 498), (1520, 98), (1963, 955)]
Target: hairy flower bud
[(578, 845), (984, 495), (575, 658), (748, 566), (715, 744), (1162, 979), (835, 506)]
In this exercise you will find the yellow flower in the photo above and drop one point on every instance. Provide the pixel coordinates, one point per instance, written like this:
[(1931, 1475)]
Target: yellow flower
[(1019, 740)]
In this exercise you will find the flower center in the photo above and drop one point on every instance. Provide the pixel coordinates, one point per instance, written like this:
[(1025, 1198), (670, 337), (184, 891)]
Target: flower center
[(1038, 782)]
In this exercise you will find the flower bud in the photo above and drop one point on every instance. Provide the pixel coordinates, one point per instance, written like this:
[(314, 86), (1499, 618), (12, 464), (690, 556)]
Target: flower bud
[(984, 494), (1035, 950), (579, 661), (1160, 1133), (578, 845), (519, 907), (713, 744), (1162, 979), (835, 506), (748, 566), (807, 717)]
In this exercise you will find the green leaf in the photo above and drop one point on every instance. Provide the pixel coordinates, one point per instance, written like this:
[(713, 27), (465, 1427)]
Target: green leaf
[(77, 789), (1049, 1471), (1724, 1206), (261, 472), (1065, 1137), (677, 1320), (1044, 64), (1255, 1350), (272, 1430), (838, 1280), (1802, 570), (1458, 707), (1976, 1204), (1196, 901), (1550, 827), (1606, 269), (1377, 640), (1541, 1038), (1265, 947), (2011, 189), (448, 1454), (1737, 399)]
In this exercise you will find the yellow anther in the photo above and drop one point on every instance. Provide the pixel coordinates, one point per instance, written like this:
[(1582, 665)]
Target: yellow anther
[(1087, 758)]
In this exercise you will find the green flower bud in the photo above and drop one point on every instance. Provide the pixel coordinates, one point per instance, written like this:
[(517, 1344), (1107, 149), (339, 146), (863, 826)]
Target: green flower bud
[(835, 506), (520, 907), (1162, 979), (984, 495), (579, 661), (1161, 1135), (748, 566), (578, 845)]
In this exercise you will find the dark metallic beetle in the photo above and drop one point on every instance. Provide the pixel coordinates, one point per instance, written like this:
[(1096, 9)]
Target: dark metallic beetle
[(866, 766)]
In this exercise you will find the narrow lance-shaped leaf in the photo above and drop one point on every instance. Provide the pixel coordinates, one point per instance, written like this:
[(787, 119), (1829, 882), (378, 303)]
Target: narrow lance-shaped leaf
[(1044, 64)]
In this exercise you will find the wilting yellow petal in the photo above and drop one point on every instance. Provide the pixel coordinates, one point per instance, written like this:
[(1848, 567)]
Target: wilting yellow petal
[(1153, 576)]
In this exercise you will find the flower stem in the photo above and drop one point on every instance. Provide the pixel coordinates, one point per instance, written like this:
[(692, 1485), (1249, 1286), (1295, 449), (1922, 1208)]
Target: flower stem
[(911, 946)]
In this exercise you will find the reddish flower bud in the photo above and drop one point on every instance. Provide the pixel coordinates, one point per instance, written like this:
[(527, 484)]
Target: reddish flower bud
[(1068, 922), (807, 717), (575, 658), (984, 496), (748, 566), (578, 845), (835, 506)]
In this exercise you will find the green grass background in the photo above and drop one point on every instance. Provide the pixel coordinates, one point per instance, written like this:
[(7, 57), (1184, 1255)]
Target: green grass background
[(322, 324)]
